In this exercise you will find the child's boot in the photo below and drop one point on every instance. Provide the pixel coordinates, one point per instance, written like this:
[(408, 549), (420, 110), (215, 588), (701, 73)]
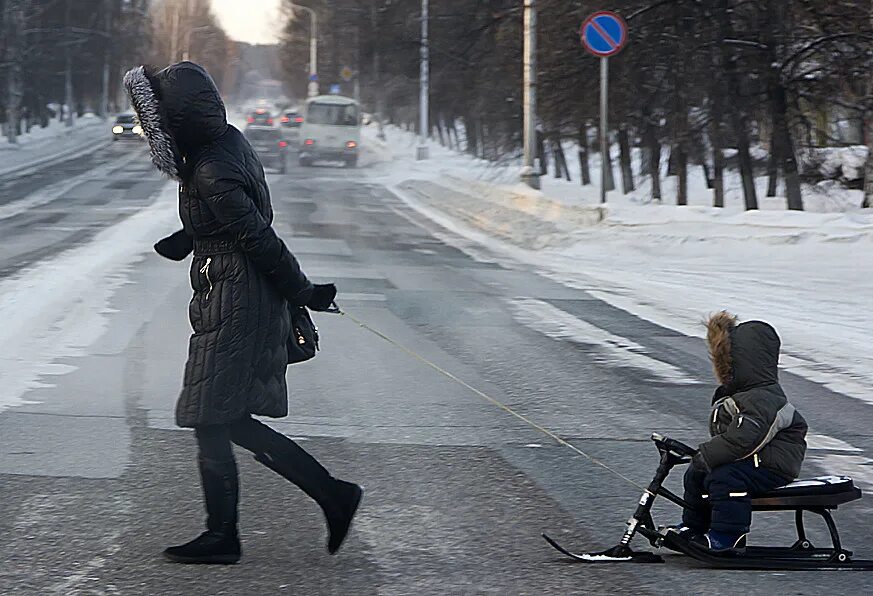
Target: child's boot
[(721, 542)]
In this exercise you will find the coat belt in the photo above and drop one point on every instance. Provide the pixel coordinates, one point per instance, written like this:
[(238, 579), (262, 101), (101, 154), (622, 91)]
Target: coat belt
[(214, 246)]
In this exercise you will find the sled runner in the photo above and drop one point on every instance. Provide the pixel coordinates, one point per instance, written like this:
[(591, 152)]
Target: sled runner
[(818, 496)]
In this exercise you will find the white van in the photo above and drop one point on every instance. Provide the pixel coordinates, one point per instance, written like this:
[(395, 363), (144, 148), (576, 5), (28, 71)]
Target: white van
[(331, 130)]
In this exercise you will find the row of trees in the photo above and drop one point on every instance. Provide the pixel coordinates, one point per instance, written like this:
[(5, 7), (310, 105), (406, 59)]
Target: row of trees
[(698, 77), (66, 57)]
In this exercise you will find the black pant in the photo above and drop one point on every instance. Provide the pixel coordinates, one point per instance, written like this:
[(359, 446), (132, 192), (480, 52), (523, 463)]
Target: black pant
[(729, 489), (219, 474)]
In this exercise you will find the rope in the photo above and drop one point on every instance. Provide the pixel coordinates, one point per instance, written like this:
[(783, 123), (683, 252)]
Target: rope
[(485, 396)]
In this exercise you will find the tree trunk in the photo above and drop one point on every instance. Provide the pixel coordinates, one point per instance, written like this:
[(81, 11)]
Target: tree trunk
[(13, 21), (541, 153), (627, 175), (560, 158), (671, 162), (868, 168), (682, 174), (738, 118), (470, 133), (610, 180), (773, 166), (716, 138), (480, 133), (583, 155), (654, 151), (867, 202), (439, 126), (785, 142)]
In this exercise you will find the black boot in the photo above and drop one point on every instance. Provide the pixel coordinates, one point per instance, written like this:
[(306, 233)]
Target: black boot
[(337, 498), (220, 542)]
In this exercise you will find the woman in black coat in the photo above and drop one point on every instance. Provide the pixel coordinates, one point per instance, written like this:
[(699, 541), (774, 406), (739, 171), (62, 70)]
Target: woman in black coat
[(244, 279)]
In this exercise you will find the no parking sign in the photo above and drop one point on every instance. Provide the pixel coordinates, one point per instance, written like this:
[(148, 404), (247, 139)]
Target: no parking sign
[(604, 34)]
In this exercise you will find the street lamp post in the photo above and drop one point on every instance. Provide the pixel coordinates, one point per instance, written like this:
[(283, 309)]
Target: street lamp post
[(528, 173), (186, 55), (424, 85), (313, 49)]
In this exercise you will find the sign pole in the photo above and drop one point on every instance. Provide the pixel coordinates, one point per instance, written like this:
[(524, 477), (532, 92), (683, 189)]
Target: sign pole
[(604, 134), (604, 34)]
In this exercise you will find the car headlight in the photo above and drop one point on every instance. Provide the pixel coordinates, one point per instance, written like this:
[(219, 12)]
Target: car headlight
[(117, 129), (137, 130)]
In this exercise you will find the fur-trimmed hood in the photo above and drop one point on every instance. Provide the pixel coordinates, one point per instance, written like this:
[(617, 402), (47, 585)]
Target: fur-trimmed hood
[(180, 111), (744, 355)]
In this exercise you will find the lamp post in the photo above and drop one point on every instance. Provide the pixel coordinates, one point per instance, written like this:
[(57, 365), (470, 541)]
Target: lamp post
[(313, 49), (186, 55), (424, 85), (528, 174)]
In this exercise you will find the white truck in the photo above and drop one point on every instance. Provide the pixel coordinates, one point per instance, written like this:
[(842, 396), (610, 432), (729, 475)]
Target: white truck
[(331, 130)]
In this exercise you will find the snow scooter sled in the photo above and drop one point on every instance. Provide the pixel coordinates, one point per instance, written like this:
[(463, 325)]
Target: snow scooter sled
[(818, 496)]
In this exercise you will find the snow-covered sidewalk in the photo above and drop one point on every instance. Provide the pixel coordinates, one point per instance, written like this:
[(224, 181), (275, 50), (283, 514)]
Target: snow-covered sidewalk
[(807, 273), (55, 142)]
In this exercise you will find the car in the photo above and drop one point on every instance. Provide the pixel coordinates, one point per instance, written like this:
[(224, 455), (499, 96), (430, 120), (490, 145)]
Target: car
[(126, 127), (271, 147), (260, 117), (291, 121), (331, 130)]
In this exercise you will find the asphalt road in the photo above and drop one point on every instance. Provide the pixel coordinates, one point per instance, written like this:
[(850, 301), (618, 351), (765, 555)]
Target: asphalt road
[(95, 480)]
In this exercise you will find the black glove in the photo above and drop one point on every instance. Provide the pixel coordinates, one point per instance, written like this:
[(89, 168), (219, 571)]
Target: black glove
[(698, 462), (175, 247), (323, 296)]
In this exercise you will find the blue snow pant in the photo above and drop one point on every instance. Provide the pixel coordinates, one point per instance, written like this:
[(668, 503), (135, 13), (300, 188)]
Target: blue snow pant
[(728, 506)]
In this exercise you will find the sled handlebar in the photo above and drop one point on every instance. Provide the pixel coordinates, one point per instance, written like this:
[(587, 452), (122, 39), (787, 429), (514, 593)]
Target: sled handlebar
[(674, 446)]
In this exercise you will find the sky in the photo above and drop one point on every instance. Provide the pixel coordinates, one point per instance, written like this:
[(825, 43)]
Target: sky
[(252, 21)]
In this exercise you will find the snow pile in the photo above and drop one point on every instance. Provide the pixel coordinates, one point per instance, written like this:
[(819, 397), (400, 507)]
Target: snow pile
[(825, 197), (836, 163)]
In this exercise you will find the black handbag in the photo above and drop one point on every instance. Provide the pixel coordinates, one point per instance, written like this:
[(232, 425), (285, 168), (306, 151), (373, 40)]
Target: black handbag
[(303, 340)]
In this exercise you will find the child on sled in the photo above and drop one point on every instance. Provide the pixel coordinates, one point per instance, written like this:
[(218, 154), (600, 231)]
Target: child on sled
[(758, 438)]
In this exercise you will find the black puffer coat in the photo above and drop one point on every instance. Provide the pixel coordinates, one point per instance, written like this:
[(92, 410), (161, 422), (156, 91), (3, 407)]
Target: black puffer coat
[(242, 274)]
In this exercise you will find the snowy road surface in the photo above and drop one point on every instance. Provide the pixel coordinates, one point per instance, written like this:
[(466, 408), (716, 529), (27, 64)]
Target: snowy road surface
[(95, 479)]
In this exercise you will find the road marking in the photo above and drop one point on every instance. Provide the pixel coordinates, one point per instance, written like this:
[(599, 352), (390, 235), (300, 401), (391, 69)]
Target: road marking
[(826, 443), (55, 191), (611, 349)]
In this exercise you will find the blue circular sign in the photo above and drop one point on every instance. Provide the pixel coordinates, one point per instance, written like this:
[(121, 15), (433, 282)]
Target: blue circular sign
[(604, 33)]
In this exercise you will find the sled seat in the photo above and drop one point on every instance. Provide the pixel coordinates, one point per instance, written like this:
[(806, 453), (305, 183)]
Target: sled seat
[(821, 492)]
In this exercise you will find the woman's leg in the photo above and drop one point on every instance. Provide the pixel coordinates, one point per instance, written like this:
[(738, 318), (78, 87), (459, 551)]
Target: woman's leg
[(219, 479), (338, 499)]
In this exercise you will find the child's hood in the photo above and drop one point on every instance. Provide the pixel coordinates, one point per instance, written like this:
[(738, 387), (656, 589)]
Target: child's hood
[(745, 355)]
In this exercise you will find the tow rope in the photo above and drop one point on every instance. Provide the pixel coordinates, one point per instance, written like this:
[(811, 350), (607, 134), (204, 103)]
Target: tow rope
[(363, 325)]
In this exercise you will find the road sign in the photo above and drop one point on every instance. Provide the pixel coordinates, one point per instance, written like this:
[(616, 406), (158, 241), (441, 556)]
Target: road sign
[(347, 74), (604, 33), (313, 78), (335, 90)]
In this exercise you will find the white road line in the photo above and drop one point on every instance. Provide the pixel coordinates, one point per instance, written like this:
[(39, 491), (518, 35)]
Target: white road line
[(57, 190), (826, 443), (611, 349)]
